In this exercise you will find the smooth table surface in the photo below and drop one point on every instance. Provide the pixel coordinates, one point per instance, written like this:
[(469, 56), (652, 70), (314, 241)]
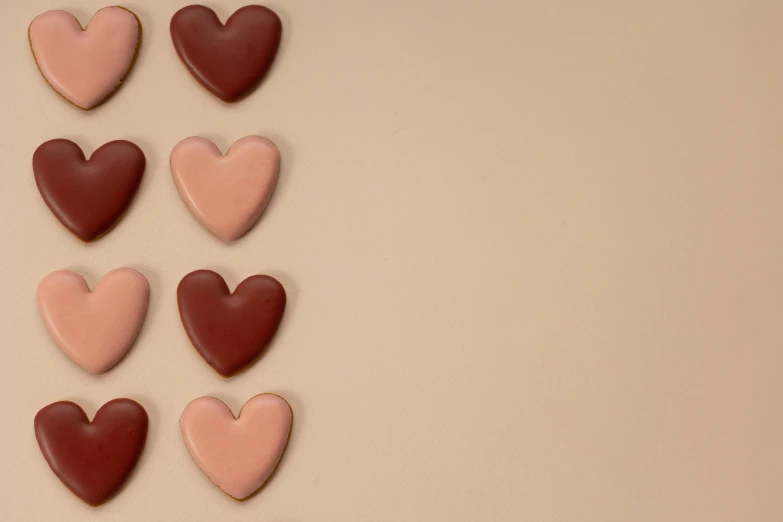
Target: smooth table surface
[(533, 252)]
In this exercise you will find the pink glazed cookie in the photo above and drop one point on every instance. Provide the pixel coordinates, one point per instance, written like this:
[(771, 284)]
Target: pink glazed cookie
[(237, 454), (95, 329), (85, 66), (226, 193)]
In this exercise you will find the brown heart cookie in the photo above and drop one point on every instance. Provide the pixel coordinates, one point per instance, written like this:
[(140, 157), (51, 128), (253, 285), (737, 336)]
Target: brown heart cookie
[(88, 196), (93, 459), (228, 60), (230, 330)]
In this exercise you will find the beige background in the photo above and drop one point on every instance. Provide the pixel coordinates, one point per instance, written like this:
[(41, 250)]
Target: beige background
[(533, 251)]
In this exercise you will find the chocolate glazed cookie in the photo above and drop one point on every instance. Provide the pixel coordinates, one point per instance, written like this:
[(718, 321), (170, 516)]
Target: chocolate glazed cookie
[(93, 459), (88, 196), (230, 331), (229, 61)]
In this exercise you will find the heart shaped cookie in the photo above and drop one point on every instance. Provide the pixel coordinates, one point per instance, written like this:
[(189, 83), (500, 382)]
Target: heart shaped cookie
[(85, 66), (95, 329), (226, 193), (88, 196), (228, 60), (238, 455), (93, 459), (230, 330)]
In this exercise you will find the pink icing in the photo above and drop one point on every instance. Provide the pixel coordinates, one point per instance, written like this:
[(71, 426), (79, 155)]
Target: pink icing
[(85, 66), (240, 454), (94, 329), (226, 193)]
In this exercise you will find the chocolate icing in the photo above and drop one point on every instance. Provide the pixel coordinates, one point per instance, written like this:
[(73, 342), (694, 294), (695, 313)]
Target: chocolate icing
[(230, 330), (88, 196), (229, 61), (93, 459)]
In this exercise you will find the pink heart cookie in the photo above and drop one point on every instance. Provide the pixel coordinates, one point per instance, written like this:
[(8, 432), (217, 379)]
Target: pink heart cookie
[(226, 193), (95, 329), (85, 66), (238, 455)]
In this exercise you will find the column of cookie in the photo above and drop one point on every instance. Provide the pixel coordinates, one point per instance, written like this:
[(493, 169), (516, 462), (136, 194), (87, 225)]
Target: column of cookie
[(105, 185), (228, 195), (88, 197)]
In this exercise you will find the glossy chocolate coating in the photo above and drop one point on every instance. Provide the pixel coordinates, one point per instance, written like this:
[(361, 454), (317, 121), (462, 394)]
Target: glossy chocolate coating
[(230, 330), (93, 459), (229, 61), (88, 196)]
